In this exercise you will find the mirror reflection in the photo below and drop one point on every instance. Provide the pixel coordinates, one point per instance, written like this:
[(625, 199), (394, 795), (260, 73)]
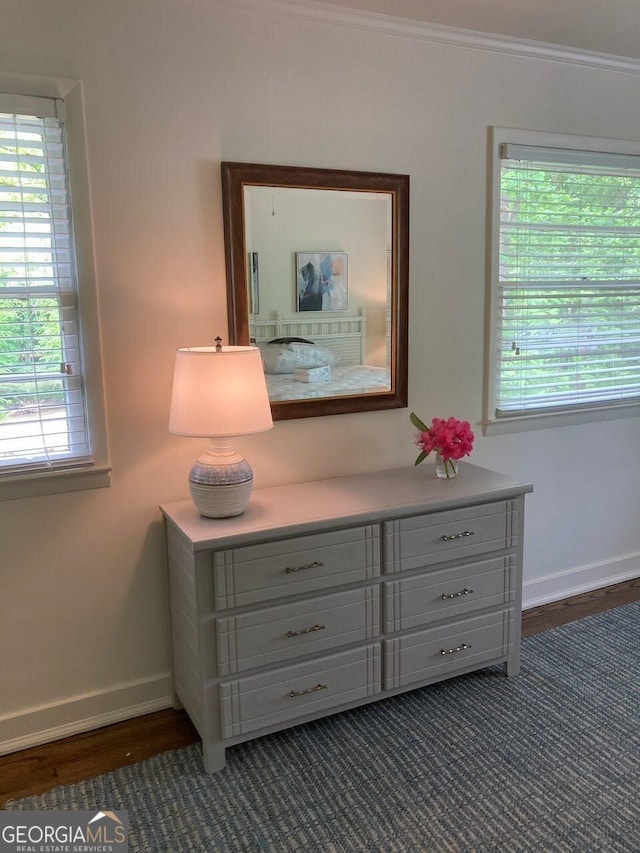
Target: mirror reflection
[(317, 267), (319, 285)]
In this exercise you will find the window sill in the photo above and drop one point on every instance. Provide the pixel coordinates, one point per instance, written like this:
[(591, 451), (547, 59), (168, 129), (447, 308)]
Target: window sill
[(34, 485), (549, 420)]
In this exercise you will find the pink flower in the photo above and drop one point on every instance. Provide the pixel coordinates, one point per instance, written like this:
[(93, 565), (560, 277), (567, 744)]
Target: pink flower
[(452, 438)]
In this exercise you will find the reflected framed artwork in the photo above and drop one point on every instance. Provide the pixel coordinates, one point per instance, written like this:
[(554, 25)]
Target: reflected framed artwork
[(322, 281)]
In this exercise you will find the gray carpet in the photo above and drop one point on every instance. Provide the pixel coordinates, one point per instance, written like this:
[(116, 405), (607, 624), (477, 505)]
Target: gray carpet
[(548, 761)]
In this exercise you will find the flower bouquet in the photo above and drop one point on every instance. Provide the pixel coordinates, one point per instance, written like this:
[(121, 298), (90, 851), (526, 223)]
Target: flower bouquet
[(451, 439)]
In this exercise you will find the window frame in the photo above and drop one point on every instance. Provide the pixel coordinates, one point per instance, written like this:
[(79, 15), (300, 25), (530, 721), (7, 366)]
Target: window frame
[(29, 483), (579, 414)]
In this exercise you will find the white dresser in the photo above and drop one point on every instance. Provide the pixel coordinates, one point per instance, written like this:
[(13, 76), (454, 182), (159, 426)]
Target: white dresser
[(327, 595)]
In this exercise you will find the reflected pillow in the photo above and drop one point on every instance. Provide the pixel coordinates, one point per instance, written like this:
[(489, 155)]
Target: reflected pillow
[(291, 341), (284, 358)]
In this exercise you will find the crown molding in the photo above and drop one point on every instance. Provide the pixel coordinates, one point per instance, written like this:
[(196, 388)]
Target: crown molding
[(374, 22)]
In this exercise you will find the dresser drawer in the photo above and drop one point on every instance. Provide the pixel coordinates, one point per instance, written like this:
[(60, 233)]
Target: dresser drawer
[(439, 652), (284, 694), (296, 566), (423, 540), (447, 593), (276, 634)]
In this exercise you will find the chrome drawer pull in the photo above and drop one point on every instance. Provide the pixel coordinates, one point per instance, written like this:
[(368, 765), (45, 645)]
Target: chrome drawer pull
[(313, 565), (457, 649), (294, 693), (446, 595), (459, 535), (306, 631)]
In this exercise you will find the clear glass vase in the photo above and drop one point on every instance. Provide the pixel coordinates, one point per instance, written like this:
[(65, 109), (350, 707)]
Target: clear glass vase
[(446, 470)]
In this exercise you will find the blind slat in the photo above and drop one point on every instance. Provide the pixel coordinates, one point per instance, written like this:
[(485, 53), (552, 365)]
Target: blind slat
[(547, 157)]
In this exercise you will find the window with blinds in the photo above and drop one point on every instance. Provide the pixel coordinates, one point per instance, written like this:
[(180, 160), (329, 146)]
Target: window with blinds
[(43, 422), (568, 300)]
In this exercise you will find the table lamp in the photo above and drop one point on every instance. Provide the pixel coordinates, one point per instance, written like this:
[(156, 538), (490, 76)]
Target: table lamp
[(219, 392)]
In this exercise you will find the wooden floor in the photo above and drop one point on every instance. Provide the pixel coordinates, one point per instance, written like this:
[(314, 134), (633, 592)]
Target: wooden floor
[(62, 762)]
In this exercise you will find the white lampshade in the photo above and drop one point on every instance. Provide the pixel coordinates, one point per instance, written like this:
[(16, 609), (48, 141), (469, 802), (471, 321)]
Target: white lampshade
[(219, 393)]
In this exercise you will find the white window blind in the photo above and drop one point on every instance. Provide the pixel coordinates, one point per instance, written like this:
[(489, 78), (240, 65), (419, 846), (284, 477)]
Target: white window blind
[(569, 280), (43, 423)]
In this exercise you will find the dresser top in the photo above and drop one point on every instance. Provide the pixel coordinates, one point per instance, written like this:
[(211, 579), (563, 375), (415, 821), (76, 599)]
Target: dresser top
[(341, 502)]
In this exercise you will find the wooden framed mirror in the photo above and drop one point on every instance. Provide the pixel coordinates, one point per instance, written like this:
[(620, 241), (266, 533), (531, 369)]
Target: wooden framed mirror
[(321, 257)]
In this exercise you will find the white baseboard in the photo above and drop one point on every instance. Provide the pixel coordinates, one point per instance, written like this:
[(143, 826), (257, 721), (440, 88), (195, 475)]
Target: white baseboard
[(46, 723), (582, 579)]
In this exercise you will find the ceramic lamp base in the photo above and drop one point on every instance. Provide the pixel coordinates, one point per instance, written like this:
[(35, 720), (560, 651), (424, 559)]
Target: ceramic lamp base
[(220, 482)]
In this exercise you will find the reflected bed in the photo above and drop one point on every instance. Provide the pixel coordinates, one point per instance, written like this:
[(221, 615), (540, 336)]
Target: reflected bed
[(345, 337), (345, 379)]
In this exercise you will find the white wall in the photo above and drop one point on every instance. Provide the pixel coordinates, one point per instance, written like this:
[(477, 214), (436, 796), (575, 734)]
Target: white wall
[(171, 89)]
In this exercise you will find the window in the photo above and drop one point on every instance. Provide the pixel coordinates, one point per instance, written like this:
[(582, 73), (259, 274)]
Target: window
[(566, 277), (45, 424)]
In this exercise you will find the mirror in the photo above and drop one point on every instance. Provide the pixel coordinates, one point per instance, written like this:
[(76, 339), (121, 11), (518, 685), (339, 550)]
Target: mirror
[(317, 277)]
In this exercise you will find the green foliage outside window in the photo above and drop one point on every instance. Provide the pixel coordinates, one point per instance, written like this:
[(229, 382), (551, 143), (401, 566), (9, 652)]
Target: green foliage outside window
[(570, 247), (30, 329)]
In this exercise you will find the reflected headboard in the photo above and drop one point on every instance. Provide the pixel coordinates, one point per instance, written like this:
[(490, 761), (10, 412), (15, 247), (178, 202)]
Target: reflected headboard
[(345, 336)]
